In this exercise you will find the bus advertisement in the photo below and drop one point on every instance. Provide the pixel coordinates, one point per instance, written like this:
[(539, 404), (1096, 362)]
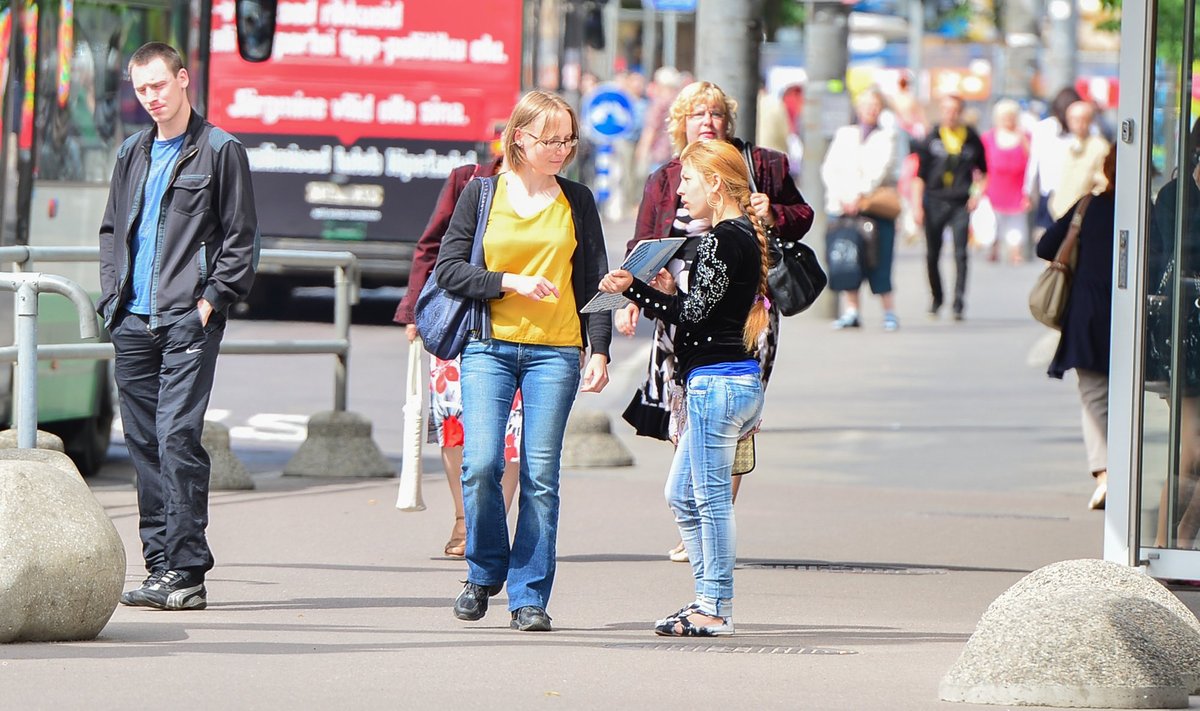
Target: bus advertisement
[(360, 114)]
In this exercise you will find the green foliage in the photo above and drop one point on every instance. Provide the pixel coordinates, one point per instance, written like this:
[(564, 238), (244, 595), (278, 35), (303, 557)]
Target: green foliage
[(782, 13)]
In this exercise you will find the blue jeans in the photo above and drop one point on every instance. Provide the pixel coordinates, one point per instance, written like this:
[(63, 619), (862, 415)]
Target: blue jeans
[(721, 409), (548, 377)]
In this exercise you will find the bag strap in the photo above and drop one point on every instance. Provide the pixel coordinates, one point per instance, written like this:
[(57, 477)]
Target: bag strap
[(486, 191), (1067, 250), (748, 156)]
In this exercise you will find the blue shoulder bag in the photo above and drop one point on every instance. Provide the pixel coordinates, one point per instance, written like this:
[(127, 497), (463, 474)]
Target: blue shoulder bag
[(446, 320)]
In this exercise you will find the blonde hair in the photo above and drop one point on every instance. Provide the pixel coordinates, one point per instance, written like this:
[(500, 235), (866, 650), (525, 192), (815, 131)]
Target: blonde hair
[(531, 106), (697, 92), (723, 160)]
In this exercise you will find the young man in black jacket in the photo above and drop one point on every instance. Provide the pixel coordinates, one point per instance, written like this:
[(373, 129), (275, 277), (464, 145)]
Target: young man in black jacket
[(178, 246), (951, 177)]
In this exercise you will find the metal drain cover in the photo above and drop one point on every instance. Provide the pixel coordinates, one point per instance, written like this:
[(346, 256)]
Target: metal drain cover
[(727, 648), (844, 568)]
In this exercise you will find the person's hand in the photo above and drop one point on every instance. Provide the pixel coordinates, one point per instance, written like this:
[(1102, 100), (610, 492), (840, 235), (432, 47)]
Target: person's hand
[(531, 287), (761, 204), (1026, 203), (664, 282), (626, 319), (918, 213), (205, 309), (972, 203), (616, 281), (410, 330), (595, 375)]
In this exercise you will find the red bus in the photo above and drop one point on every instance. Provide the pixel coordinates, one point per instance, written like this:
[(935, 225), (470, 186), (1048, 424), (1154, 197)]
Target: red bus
[(359, 115)]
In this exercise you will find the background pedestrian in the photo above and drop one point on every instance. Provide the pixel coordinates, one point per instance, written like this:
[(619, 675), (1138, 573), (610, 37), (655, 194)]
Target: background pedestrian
[(445, 376), (860, 159), (1087, 322), (951, 175)]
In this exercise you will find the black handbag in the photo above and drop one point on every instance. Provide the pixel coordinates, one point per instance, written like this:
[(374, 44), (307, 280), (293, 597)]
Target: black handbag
[(1159, 322), (795, 278), (447, 320)]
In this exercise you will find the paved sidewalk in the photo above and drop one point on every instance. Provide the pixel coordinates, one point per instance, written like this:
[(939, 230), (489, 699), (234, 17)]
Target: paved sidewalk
[(904, 481)]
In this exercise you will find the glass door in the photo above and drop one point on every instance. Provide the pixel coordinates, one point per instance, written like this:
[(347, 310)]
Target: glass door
[(1155, 391)]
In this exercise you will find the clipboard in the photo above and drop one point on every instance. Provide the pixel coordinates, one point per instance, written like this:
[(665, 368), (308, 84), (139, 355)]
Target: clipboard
[(644, 262)]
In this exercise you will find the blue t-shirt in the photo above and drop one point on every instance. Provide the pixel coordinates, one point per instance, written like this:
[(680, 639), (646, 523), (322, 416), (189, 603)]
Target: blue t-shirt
[(163, 156), (734, 367)]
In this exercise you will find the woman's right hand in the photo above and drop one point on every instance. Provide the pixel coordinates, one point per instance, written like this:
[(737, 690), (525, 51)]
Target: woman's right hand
[(531, 287), (627, 319), (410, 330)]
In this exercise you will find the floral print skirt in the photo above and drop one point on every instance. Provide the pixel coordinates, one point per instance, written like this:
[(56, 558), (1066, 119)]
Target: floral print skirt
[(445, 410)]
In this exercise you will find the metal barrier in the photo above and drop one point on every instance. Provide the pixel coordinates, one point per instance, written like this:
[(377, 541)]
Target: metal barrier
[(27, 287), (346, 294)]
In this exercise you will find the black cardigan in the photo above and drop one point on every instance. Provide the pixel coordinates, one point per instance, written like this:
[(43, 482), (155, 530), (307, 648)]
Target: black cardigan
[(456, 274), (711, 317)]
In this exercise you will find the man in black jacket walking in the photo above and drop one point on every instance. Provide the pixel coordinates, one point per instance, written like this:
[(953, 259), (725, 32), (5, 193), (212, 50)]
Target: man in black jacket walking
[(951, 176), (178, 246)]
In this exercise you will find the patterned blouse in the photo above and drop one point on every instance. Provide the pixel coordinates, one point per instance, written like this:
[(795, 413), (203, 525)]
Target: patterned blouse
[(711, 315)]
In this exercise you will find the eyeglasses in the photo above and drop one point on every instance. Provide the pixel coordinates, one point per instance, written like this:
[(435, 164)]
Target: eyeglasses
[(700, 114), (555, 144)]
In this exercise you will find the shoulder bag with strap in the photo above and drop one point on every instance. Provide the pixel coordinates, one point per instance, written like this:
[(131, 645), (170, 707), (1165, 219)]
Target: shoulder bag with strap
[(1048, 299), (444, 319), (795, 278)]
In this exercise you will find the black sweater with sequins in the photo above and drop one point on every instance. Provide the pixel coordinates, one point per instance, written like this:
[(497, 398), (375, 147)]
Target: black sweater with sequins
[(711, 316)]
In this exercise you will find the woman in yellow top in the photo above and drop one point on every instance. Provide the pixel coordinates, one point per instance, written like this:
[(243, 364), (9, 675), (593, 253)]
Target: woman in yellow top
[(544, 257)]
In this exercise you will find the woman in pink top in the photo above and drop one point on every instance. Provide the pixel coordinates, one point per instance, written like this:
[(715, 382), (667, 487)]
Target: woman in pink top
[(1006, 147)]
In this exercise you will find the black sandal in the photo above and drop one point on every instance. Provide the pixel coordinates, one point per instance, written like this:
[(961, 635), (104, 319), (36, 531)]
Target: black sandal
[(683, 627)]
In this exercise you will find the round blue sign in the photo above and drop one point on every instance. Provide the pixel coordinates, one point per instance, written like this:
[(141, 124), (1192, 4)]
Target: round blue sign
[(608, 113)]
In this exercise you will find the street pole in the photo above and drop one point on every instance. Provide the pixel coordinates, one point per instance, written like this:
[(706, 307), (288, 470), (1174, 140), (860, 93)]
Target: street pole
[(1020, 48), (826, 108), (732, 62), (916, 41), (1062, 64)]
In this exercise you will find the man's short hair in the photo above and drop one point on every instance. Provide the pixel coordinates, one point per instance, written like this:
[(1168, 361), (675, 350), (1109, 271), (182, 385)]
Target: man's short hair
[(157, 50)]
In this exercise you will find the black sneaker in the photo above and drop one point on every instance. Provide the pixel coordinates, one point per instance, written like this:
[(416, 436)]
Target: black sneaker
[(530, 619), (137, 596), (176, 590), (472, 602)]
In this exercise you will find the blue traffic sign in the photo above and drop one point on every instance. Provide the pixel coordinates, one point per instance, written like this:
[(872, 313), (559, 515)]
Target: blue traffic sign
[(671, 5), (607, 113)]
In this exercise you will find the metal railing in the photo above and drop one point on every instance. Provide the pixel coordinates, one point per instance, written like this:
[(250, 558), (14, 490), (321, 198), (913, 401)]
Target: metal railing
[(346, 294), (27, 287)]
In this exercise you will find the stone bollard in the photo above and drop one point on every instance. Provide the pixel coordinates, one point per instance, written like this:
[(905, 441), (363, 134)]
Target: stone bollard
[(42, 440), (228, 472), (339, 444), (62, 564), (589, 442), (1081, 633), (45, 456)]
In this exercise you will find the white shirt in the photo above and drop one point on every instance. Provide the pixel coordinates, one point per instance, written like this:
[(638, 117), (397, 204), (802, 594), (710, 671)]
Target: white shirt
[(855, 166)]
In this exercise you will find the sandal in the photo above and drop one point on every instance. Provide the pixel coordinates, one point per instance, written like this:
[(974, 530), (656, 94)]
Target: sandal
[(683, 627), (456, 547), (683, 612)]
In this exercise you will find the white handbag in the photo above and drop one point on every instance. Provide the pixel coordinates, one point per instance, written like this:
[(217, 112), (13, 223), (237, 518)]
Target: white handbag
[(409, 498)]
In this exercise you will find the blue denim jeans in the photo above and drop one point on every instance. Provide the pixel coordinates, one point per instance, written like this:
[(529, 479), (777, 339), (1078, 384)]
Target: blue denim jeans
[(548, 377), (720, 410)]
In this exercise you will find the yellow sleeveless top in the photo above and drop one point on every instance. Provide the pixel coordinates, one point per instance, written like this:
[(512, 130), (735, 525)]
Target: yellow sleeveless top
[(542, 244)]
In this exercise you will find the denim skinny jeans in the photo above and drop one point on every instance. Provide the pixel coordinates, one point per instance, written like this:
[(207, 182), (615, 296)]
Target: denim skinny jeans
[(548, 377), (721, 409)]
